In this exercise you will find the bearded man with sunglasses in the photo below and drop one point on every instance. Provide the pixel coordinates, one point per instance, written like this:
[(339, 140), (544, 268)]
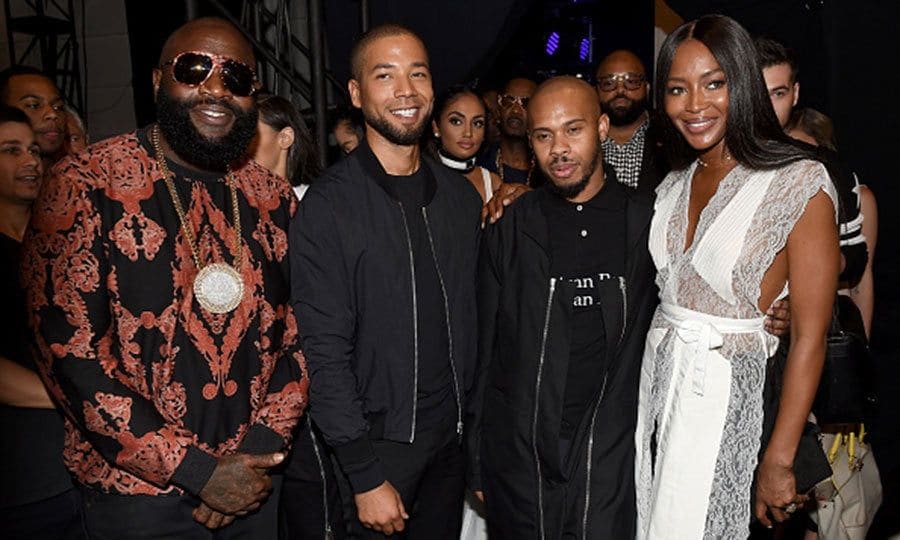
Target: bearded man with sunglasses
[(631, 147), (157, 281)]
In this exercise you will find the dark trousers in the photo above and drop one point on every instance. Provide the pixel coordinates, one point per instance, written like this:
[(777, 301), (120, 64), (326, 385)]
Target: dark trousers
[(54, 518), (147, 517), (429, 474), (310, 502)]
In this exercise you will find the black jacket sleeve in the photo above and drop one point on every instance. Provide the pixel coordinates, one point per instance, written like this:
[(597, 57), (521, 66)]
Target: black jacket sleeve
[(488, 289), (323, 300)]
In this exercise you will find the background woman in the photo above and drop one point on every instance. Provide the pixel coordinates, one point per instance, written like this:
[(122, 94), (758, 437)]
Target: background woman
[(459, 126), (283, 143), (813, 127), (744, 212)]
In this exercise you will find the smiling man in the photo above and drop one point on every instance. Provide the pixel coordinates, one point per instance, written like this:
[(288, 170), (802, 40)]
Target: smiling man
[(36, 495), (565, 296), (28, 89), (383, 253), (157, 283)]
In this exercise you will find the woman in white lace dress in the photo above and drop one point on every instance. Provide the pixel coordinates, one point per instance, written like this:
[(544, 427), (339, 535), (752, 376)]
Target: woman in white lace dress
[(744, 213)]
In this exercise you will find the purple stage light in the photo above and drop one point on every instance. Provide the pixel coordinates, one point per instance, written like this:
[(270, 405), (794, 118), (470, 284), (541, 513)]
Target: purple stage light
[(584, 49), (552, 44)]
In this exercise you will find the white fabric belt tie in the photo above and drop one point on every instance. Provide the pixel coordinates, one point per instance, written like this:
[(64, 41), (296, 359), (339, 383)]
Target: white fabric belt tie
[(703, 333)]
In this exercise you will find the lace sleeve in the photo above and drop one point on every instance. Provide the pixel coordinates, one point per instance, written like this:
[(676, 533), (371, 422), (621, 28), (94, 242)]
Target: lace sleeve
[(786, 200)]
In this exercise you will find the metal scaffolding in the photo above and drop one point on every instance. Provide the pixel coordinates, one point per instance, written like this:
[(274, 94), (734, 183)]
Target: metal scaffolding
[(49, 27)]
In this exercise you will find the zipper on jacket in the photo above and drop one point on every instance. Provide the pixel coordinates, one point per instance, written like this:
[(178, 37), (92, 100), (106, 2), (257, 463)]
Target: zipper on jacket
[(437, 267), (415, 318), (590, 449), (623, 286), (329, 534), (537, 399)]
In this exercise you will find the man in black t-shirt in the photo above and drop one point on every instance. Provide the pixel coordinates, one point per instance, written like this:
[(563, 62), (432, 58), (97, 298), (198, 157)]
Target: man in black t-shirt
[(36, 495), (565, 293)]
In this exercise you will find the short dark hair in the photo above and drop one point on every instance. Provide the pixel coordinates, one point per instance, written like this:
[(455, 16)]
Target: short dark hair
[(12, 114), (773, 53), (752, 134), (350, 115), (374, 34), (14, 71), (302, 159)]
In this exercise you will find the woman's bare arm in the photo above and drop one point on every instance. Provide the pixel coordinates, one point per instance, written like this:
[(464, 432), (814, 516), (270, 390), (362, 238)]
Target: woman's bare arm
[(813, 259), (863, 295)]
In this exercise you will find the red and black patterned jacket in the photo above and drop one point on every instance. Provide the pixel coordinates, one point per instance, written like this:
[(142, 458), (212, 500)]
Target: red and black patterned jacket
[(155, 388)]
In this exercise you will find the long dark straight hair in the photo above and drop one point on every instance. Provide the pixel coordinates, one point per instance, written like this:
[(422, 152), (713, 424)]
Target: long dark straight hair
[(752, 134), (302, 159)]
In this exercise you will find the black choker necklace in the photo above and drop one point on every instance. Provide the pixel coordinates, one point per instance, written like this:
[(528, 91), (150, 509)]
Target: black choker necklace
[(464, 166)]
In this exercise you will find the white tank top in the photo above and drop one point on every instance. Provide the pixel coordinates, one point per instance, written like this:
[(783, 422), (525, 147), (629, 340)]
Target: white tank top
[(488, 184)]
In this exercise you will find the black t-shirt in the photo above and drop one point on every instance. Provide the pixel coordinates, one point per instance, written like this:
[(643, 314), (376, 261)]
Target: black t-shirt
[(434, 380), (587, 250), (31, 444), (510, 175)]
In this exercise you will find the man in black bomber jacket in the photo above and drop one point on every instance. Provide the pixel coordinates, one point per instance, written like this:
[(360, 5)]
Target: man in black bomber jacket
[(565, 294), (383, 256)]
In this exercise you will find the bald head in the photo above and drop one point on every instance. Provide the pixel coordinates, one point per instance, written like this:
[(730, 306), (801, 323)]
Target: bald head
[(568, 93), (566, 128), (206, 124), (520, 86), (622, 88), (211, 35), (620, 61)]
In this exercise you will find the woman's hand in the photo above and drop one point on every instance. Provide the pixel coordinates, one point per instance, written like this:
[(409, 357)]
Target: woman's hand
[(776, 491)]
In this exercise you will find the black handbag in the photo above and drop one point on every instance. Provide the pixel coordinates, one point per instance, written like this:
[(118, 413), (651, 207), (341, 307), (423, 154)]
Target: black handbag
[(846, 389), (810, 462)]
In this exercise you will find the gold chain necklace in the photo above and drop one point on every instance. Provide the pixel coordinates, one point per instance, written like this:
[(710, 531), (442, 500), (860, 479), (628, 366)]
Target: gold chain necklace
[(218, 287), (499, 164)]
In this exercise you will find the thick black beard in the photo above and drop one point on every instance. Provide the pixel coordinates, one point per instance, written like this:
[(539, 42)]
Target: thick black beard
[(573, 190), (203, 152), (619, 116), (395, 135)]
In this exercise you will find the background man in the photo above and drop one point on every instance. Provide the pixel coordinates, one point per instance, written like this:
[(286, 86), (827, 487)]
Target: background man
[(36, 495), (382, 256), (511, 157), (559, 357), (28, 89), (781, 73), (179, 391), (347, 129), (631, 148)]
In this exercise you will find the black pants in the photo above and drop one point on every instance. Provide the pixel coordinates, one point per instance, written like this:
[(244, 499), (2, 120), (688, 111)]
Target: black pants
[(147, 517), (429, 474), (54, 518), (310, 502)]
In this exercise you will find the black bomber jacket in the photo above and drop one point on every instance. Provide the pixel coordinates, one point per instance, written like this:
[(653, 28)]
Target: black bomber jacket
[(352, 292)]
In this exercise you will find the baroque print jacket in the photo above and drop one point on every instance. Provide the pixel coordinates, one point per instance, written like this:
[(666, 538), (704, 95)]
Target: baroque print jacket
[(154, 387)]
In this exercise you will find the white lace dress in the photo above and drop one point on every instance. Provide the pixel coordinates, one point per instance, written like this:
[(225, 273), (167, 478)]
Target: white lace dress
[(704, 361)]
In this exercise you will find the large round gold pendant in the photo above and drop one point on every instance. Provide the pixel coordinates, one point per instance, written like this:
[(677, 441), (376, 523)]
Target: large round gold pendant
[(218, 288)]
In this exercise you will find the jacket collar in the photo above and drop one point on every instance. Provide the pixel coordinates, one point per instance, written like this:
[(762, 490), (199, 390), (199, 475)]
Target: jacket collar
[(370, 164), (637, 216)]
